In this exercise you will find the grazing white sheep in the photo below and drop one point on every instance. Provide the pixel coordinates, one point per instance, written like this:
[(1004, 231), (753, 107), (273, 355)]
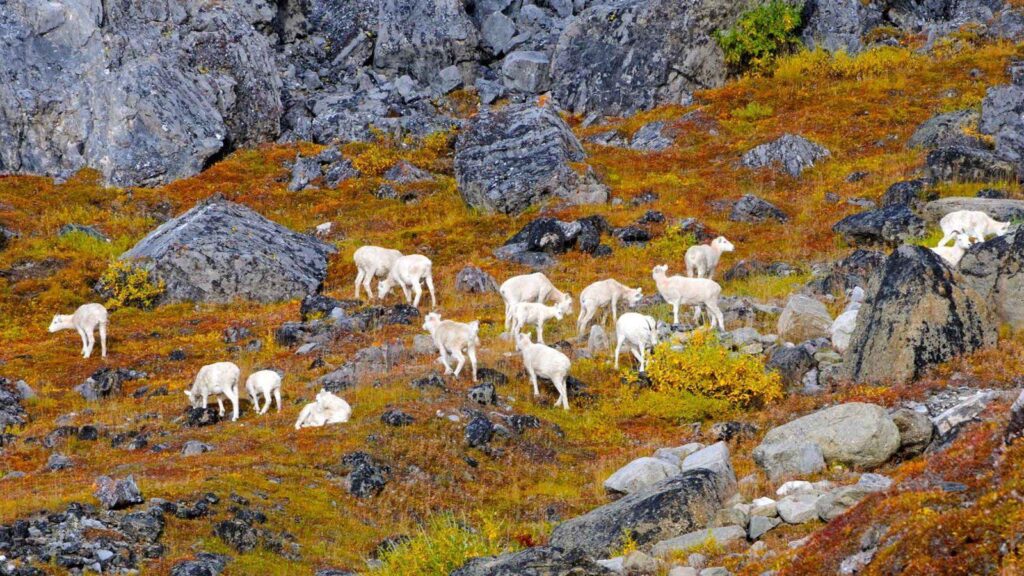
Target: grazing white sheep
[(527, 288), (639, 332), (86, 319), (525, 313), (407, 273), (605, 293), (682, 291), (267, 383), (843, 326), (953, 254), (371, 262), (452, 338), (546, 362), (327, 409), (219, 379), (702, 259), (973, 223)]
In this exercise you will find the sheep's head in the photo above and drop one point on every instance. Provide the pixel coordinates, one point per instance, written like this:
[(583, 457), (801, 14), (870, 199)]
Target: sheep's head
[(384, 287), (564, 306), (321, 396), (722, 245), (1002, 228), (659, 270), (431, 321), (193, 399), (60, 322), (523, 341), (961, 240), (634, 296)]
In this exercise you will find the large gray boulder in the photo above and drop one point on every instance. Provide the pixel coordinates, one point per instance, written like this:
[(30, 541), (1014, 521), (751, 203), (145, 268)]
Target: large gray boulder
[(623, 56), (510, 159), (803, 318), (422, 37), (789, 152), (1002, 209), (144, 92), (917, 313), (995, 270), (640, 474), (219, 251), (889, 226), (537, 561), (945, 129), (1001, 117)]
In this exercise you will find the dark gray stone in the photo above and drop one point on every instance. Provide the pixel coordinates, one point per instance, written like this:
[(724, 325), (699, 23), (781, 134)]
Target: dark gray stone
[(473, 280), (116, 494), (304, 171), (204, 564), (967, 164), (946, 130), (537, 561), (527, 71), (752, 209), (793, 154), (651, 137), (889, 226), (422, 37), (995, 270)]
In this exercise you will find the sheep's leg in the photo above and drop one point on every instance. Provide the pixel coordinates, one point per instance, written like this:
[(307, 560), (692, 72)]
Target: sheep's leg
[(716, 315), (220, 403), (430, 286), (563, 393), (418, 291), (533, 380), (81, 334), (233, 396), (359, 280), (586, 316), (267, 397), (277, 397), (689, 270), (618, 349), (516, 327), (696, 315), (540, 330), (460, 361), (615, 311), (206, 400), (406, 291), (508, 316), (946, 237), (444, 360), (471, 352), (103, 339), (675, 312), (643, 359), (638, 354), (368, 285)]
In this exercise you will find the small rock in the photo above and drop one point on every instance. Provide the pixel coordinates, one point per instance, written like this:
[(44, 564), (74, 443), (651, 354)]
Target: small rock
[(116, 494), (752, 209), (798, 509), (761, 524), (473, 280), (479, 432), (194, 448), (58, 461), (396, 418)]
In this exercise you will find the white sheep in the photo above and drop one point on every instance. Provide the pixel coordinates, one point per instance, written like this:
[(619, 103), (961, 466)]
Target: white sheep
[(452, 338), (973, 223), (267, 383), (86, 319), (525, 313), (373, 262), (841, 330), (219, 379), (639, 332), (953, 254), (702, 259), (682, 291), (605, 293), (407, 273), (527, 288), (546, 362), (327, 409)]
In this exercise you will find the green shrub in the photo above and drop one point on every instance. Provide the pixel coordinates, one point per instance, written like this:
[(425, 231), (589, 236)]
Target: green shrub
[(761, 33), (124, 284), (752, 112), (440, 547)]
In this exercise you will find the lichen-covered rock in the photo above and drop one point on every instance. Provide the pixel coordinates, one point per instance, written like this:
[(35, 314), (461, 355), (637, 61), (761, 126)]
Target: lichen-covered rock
[(423, 37), (750, 208), (917, 313), (1002, 209), (116, 494), (475, 281), (967, 164), (219, 251), (527, 71), (536, 561), (891, 226), (639, 474), (995, 270), (803, 318), (789, 152), (204, 564), (916, 431), (945, 130)]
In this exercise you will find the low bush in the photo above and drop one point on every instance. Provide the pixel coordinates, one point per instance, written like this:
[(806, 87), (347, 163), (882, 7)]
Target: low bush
[(127, 285), (760, 35), (440, 547)]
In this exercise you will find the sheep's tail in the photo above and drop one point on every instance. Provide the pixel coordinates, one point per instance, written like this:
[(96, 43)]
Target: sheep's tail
[(474, 330)]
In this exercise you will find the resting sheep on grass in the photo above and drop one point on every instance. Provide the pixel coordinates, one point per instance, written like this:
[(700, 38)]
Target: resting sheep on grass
[(545, 362), (701, 260), (86, 319), (953, 254), (681, 291), (527, 288), (407, 273), (371, 262), (219, 379), (266, 383), (605, 293), (525, 313), (972, 223), (639, 332), (452, 338), (327, 409)]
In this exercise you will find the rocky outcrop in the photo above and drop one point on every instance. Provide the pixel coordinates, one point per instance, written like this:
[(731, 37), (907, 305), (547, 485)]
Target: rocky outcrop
[(1001, 209), (916, 314), (512, 158), (967, 163), (219, 250), (890, 226), (946, 130), (791, 153), (803, 318), (995, 270), (537, 561), (423, 37), (753, 209)]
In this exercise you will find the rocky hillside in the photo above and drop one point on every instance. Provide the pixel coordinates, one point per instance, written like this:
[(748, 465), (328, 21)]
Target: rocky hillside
[(207, 170)]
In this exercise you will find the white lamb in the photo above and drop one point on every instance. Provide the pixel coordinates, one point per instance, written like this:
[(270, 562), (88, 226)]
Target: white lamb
[(373, 262), (842, 327), (452, 338), (546, 362), (973, 223), (527, 288), (407, 273), (327, 409), (85, 320), (682, 291), (605, 293), (702, 259), (266, 383), (953, 254), (219, 379), (525, 313), (637, 331)]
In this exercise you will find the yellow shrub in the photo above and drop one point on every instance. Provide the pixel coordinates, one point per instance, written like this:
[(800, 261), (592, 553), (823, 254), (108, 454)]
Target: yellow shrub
[(375, 159), (706, 368), (441, 546), (127, 285)]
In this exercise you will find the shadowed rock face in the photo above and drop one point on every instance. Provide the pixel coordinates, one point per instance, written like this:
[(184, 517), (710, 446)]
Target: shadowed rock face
[(917, 313), (537, 561), (219, 250), (995, 269)]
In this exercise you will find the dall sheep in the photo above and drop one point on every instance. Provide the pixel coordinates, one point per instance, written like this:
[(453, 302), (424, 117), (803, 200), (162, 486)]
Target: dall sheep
[(219, 379), (953, 254), (327, 409), (525, 313), (267, 383), (841, 330), (973, 223), (373, 262), (605, 293), (637, 331), (546, 362), (86, 319), (527, 288), (681, 291), (407, 273), (702, 259), (452, 338)]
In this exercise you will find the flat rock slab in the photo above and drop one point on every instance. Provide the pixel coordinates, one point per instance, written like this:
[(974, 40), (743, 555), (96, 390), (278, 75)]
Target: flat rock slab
[(1002, 209), (721, 535)]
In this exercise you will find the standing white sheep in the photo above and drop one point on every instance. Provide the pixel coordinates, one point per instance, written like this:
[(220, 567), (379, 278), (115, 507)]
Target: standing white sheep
[(407, 273), (639, 332), (219, 379), (267, 383), (327, 409), (373, 262), (681, 291), (546, 362), (452, 338), (527, 288), (86, 319), (973, 223), (605, 293), (702, 259), (953, 254), (525, 313)]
